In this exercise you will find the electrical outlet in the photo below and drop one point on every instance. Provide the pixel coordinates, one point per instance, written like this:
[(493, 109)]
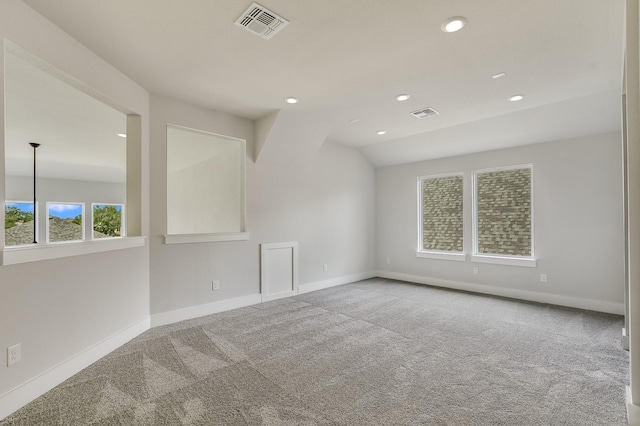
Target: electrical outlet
[(475, 270), (325, 267), (215, 285), (543, 278), (388, 261), (14, 354)]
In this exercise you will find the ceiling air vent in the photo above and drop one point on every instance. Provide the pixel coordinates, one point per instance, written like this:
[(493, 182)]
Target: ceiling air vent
[(261, 21), (424, 113)]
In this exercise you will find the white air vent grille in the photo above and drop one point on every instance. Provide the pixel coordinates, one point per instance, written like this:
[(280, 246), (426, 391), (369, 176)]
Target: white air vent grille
[(424, 113), (261, 21)]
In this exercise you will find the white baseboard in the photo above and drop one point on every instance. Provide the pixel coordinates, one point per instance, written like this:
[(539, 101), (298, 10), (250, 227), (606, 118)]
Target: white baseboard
[(345, 279), (191, 312), (554, 299), (633, 410), (20, 396), (277, 296), (201, 310)]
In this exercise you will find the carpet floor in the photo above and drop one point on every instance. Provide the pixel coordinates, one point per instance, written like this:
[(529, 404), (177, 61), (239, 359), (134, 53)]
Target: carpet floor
[(375, 352)]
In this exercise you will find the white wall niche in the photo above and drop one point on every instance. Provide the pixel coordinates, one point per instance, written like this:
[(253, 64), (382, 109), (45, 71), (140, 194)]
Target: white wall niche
[(205, 186)]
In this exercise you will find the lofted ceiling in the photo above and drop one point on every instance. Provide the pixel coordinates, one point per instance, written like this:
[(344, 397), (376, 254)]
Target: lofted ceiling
[(346, 60)]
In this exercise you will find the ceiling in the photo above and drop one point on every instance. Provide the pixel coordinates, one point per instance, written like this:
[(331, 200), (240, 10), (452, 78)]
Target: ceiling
[(348, 59)]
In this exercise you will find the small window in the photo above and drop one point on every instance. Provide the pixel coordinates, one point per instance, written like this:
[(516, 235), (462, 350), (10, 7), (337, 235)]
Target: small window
[(107, 220), (18, 223), (503, 219), (441, 214), (65, 222)]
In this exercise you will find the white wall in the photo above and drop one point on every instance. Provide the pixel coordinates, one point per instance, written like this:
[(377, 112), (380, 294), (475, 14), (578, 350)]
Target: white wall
[(58, 309), (20, 188), (577, 219), (327, 206)]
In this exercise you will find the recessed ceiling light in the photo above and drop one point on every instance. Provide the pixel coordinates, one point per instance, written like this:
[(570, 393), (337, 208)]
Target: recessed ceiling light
[(516, 98), (382, 132), (402, 97), (454, 24), (292, 100), (122, 135), (499, 75)]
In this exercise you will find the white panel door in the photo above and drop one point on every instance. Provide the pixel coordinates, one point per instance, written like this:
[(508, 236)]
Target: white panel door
[(278, 270)]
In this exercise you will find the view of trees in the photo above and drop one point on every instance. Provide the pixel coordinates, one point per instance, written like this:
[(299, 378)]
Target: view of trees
[(14, 216), (107, 220)]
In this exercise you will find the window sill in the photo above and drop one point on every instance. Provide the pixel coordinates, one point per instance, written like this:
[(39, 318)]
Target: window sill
[(205, 238), (442, 255), (38, 252), (502, 260)]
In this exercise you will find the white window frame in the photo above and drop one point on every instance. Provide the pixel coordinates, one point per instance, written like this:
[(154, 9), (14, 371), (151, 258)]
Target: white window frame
[(527, 261), (437, 254), (123, 225), (47, 217), (35, 209), (13, 255)]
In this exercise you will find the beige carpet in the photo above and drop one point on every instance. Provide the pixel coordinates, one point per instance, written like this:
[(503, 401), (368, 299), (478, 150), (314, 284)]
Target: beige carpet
[(376, 352)]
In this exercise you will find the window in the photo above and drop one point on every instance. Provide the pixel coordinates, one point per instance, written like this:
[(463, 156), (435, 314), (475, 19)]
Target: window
[(18, 223), (205, 186), (65, 222), (503, 219), (107, 220), (441, 216), (81, 160)]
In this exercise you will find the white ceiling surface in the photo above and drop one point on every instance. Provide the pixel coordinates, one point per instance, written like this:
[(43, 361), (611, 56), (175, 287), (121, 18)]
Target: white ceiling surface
[(348, 59)]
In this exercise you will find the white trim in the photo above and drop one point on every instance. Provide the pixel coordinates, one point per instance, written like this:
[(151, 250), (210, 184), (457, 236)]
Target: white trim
[(264, 270), (474, 211), (533, 296), (442, 255), (242, 172), (23, 394), (625, 339), (37, 252), (205, 132), (333, 282), (633, 410), (48, 217), (123, 216), (36, 215), (441, 175), (205, 238), (420, 242), (191, 312), (505, 168), (504, 260), (282, 295)]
